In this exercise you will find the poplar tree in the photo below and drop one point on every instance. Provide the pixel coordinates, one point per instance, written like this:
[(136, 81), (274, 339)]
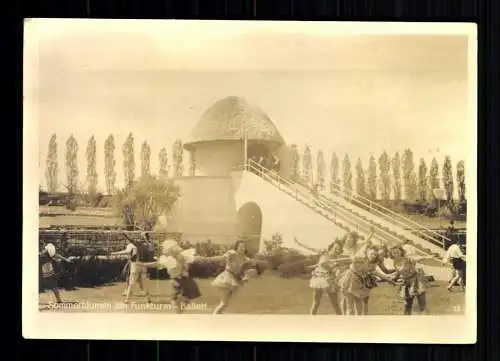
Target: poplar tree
[(384, 166), (372, 179), (52, 165), (163, 160), (91, 166), (448, 180), (320, 170), (129, 161), (145, 160), (109, 164), (307, 165), (422, 180), (360, 179), (72, 164), (347, 176), (409, 176), (334, 173), (396, 176), (434, 177), (461, 181)]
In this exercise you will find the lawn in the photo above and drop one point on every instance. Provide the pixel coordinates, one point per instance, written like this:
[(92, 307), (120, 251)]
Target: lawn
[(269, 294), (104, 216)]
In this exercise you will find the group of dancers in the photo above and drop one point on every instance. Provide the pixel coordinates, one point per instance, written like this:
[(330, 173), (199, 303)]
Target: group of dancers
[(347, 271), (239, 268)]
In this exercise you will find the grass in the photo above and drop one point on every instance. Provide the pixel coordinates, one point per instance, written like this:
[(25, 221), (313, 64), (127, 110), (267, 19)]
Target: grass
[(268, 295), (78, 221), (104, 216)]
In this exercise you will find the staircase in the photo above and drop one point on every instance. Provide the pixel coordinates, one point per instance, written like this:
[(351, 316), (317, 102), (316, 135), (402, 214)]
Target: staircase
[(354, 213)]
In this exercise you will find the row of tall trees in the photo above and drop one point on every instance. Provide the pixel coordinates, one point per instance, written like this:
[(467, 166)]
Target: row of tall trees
[(110, 175), (397, 175)]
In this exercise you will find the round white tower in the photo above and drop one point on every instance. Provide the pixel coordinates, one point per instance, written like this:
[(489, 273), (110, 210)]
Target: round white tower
[(217, 140)]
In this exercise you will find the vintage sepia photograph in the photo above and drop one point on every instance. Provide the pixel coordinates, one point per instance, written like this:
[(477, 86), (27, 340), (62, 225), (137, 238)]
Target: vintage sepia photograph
[(249, 181)]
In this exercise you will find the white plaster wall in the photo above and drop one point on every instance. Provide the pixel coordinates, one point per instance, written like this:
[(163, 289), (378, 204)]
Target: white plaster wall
[(205, 209), (282, 213)]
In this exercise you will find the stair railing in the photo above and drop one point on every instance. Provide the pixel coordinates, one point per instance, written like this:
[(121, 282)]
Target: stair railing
[(389, 215), (322, 203)]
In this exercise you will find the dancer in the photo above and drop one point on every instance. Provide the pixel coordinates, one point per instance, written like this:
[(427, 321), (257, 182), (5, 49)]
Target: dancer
[(351, 243), (47, 258), (137, 252), (383, 255), (234, 275), (324, 277), (176, 261), (455, 256), (325, 274), (414, 282), (357, 282)]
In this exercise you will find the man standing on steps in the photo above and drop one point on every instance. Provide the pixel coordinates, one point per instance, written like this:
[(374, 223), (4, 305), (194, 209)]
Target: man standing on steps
[(276, 164)]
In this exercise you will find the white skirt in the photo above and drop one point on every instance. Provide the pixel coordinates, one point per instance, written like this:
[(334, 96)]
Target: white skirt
[(226, 280), (323, 281)]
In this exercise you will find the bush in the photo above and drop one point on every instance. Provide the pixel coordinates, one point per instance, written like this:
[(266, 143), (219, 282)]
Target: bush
[(297, 267), (87, 271), (282, 255)]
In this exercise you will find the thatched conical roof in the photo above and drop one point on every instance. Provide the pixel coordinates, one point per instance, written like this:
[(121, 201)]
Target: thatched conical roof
[(227, 119)]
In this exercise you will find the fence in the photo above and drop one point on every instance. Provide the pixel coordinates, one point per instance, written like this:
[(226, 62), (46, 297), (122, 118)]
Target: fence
[(79, 242)]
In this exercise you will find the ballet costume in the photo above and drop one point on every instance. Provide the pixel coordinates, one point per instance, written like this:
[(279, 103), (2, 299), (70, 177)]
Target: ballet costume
[(182, 285), (323, 278), (232, 276), (358, 280), (414, 285)]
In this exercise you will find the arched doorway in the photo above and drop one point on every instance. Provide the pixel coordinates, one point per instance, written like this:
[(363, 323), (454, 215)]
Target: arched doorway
[(249, 225)]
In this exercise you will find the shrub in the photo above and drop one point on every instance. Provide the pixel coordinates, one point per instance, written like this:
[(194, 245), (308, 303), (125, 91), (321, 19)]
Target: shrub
[(281, 256), (87, 271), (261, 266), (297, 267)]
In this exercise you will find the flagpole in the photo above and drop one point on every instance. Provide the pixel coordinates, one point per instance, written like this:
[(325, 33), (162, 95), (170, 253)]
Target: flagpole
[(245, 146)]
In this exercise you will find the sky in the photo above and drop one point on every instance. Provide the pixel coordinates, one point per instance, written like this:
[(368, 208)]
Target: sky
[(359, 94)]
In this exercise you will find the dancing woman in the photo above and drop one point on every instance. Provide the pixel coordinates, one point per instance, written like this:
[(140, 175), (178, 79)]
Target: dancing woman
[(47, 258), (414, 282), (353, 246), (324, 277), (358, 281), (176, 261), (325, 274), (233, 276)]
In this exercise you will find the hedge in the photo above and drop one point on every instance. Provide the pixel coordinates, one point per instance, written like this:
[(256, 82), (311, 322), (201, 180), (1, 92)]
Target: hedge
[(89, 271)]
